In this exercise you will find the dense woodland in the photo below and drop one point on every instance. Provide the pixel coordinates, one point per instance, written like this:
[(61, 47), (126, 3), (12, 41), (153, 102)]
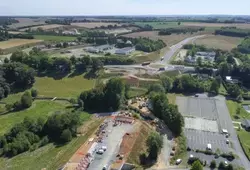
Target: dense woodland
[(104, 98), (170, 31), (233, 32), (244, 47)]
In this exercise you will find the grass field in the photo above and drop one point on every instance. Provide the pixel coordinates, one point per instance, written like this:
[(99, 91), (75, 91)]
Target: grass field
[(168, 39), (94, 24), (156, 55), (232, 107), (44, 27), (17, 42), (244, 137), (50, 156), (219, 42), (38, 109), (140, 145), (134, 91), (66, 87), (54, 38)]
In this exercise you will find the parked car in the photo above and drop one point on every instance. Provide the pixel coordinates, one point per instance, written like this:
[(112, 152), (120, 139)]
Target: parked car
[(227, 141), (100, 151), (104, 148), (178, 161)]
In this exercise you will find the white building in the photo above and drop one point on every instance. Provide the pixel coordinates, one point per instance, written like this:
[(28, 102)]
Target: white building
[(125, 51)]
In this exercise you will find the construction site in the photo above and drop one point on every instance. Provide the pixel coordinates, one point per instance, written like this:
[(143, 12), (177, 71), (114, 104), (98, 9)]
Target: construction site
[(109, 147)]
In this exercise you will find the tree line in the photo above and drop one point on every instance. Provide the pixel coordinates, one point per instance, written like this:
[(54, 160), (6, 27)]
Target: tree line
[(15, 76), (104, 98), (148, 45), (244, 47), (4, 35), (58, 21), (33, 133), (41, 62), (170, 31), (232, 32)]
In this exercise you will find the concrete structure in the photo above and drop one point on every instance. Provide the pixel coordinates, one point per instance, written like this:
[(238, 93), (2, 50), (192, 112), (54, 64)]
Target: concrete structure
[(125, 51), (99, 49), (246, 124)]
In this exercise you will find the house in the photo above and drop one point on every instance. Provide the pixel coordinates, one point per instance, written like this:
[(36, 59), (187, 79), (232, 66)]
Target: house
[(209, 56), (190, 59), (246, 124), (125, 51)]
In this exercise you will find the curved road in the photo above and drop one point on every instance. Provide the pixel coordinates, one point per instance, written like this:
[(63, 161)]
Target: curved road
[(170, 53)]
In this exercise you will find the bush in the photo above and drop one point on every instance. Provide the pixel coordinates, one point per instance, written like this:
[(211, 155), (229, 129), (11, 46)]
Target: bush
[(34, 92), (26, 100), (213, 164), (66, 135)]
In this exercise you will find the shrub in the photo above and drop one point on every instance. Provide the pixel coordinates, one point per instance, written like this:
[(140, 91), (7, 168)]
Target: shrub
[(66, 136), (213, 164), (26, 100), (34, 92)]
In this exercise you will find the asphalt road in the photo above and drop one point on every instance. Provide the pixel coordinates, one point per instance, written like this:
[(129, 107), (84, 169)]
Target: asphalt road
[(170, 53)]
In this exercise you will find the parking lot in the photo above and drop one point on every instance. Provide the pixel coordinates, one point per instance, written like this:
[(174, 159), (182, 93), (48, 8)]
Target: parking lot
[(198, 107), (112, 140), (205, 119), (197, 139)]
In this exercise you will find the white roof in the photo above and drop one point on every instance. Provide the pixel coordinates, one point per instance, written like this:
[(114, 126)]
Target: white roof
[(224, 131), (209, 145), (228, 78)]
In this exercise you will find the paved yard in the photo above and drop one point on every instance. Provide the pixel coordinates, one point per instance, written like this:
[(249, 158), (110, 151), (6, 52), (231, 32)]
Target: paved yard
[(197, 139), (112, 141)]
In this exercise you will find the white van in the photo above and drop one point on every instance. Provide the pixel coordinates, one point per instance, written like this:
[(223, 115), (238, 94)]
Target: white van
[(209, 146)]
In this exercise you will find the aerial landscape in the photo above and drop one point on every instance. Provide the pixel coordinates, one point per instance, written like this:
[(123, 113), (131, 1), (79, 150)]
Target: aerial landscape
[(94, 86)]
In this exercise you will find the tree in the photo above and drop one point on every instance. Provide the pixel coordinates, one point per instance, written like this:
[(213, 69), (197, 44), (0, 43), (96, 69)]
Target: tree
[(238, 110), (197, 166), (234, 90), (167, 83), (9, 106), (6, 60), (66, 136), (26, 100), (179, 23), (221, 165), (230, 59), (213, 164), (154, 144), (225, 69), (18, 56), (156, 88), (230, 167), (34, 92), (215, 86), (73, 59), (199, 61), (65, 45)]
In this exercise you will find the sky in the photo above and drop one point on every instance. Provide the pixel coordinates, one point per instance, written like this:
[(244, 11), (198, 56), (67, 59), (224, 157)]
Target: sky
[(124, 7)]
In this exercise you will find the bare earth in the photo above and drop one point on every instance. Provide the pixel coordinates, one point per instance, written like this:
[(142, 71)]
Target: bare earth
[(243, 26), (219, 42), (168, 39), (17, 42), (94, 24)]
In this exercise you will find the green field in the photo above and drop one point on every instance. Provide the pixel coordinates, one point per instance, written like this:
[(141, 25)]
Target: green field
[(38, 109), (135, 91), (65, 87), (244, 137), (50, 156), (232, 107), (54, 38)]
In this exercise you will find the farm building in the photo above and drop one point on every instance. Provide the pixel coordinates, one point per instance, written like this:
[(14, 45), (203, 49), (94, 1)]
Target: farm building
[(99, 49), (125, 51)]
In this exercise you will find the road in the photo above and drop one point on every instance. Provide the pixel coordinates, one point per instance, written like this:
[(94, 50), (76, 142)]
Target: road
[(170, 53), (226, 122)]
